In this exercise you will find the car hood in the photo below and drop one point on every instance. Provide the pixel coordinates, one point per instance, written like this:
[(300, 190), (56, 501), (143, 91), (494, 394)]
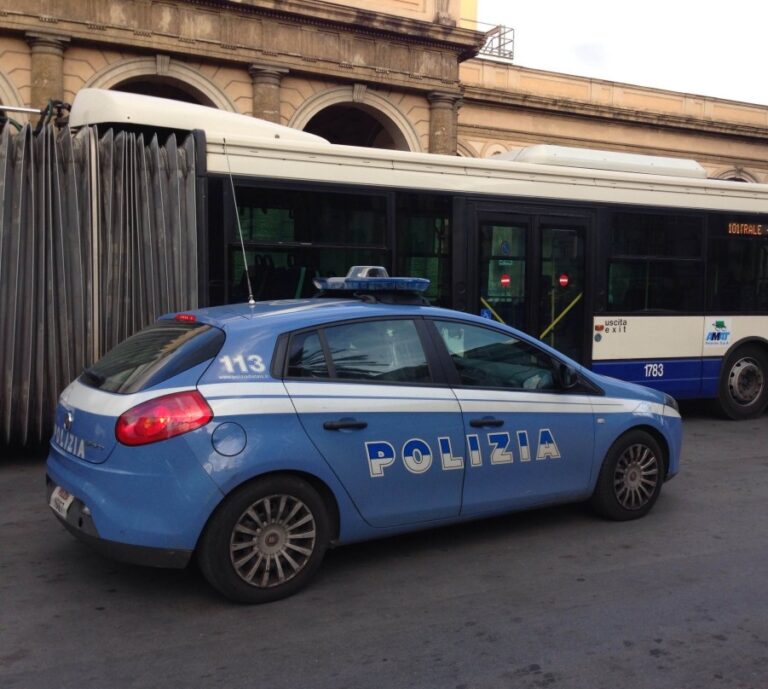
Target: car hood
[(614, 387)]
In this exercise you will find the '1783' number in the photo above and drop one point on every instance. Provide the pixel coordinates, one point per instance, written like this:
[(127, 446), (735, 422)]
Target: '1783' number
[(654, 370)]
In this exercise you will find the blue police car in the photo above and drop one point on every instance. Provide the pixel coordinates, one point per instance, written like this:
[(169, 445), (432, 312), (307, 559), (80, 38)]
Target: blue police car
[(255, 436)]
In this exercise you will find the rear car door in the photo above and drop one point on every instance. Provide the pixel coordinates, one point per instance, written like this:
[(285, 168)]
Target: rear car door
[(365, 394), (529, 442)]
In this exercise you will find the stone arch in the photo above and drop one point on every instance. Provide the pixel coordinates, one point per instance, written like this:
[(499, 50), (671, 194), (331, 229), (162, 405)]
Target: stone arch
[(397, 125), (9, 95), (165, 68), (466, 150), (736, 174), (493, 149)]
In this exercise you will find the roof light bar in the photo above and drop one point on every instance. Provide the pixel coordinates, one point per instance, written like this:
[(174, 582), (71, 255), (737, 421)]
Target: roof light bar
[(371, 279)]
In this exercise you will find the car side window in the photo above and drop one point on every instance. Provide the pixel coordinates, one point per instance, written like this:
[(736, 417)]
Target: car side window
[(492, 359), (381, 351), (306, 358)]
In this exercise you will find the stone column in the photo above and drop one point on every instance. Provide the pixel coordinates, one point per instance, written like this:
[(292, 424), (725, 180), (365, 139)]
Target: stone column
[(445, 15), (266, 91), (47, 67), (443, 122)]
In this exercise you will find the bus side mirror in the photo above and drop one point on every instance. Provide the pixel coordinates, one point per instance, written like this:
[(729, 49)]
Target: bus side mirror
[(569, 379)]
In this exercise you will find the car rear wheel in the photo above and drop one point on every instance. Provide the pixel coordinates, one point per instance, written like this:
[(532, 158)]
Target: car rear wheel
[(266, 541), (630, 478)]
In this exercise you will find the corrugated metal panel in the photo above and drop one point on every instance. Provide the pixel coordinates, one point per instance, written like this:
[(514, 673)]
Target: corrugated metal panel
[(97, 238)]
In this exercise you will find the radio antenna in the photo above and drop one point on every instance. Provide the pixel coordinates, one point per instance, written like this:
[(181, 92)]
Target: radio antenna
[(251, 300)]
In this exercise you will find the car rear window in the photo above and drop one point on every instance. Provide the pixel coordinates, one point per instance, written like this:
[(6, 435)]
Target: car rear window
[(153, 355)]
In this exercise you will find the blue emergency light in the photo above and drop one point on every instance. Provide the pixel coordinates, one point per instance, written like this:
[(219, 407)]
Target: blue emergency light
[(371, 279)]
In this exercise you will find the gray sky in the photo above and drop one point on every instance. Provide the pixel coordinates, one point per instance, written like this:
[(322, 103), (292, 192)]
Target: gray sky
[(708, 48)]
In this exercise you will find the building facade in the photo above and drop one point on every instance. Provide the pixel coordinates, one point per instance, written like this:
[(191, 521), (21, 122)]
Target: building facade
[(84, 263), (400, 74)]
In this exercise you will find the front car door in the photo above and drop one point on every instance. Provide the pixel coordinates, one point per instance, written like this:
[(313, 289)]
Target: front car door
[(365, 395), (528, 441)]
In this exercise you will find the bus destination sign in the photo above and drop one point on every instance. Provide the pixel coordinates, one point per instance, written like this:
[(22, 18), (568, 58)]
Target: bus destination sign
[(748, 228)]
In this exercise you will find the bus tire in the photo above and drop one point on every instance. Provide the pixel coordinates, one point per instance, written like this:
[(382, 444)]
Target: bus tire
[(743, 391)]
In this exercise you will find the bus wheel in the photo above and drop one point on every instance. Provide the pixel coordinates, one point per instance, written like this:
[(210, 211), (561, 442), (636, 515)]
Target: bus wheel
[(744, 383), (266, 541), (630, 478)]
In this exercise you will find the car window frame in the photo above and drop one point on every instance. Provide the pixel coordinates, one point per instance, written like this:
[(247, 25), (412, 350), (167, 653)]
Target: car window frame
[(582, 387), (329, 365), (437, 373)]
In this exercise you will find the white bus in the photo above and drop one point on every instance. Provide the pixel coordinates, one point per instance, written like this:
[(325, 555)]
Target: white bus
[(639, 267)]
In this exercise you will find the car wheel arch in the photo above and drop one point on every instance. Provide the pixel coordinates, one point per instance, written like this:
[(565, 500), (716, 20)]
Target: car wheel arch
[(659, 437), (631, 474), (654, 432), (321, 487)]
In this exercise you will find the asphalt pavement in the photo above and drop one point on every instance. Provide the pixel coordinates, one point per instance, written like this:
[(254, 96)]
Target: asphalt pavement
[(549, 598)]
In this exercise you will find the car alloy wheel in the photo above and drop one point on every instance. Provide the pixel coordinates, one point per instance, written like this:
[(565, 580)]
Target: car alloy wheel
[(636, 476), (272, 540)]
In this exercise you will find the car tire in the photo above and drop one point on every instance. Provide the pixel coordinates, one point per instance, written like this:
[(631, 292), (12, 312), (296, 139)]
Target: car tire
[(630, 478), (743, 391), (266, 540)]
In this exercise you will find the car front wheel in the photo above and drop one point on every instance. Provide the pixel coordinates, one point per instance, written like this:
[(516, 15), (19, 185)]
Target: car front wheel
[(266, 541), (630, 478)]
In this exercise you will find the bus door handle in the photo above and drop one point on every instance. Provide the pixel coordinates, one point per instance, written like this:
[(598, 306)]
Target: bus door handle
[(345, 424), (486, 422)]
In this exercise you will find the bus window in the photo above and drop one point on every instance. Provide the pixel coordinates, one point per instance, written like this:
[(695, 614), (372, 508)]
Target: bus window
[(292, 215), (651, 234), (656, 263), (288, 273), (738, 267), (291, 236), (423, 245), (651, 285)]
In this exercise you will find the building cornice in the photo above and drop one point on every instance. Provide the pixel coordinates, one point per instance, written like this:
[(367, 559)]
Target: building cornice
[(566, 107), (466, 43), (318, 39)]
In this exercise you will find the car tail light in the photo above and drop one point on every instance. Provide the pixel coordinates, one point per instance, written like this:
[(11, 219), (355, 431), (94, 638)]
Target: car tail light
[(163, 417)]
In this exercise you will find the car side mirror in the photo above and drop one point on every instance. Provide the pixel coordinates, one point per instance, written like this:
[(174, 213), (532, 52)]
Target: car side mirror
[(569, 379)]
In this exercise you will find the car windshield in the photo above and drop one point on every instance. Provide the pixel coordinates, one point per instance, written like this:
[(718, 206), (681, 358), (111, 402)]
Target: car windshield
[(153, 355)]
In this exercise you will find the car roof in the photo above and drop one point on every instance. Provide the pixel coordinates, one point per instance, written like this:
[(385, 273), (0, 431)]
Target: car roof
[(294, 314)]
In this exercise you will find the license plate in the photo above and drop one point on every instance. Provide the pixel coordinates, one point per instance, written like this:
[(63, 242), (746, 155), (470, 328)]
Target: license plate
[(60, 501)]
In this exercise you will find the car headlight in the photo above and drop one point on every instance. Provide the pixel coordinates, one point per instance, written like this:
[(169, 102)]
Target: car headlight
[(670, 401)]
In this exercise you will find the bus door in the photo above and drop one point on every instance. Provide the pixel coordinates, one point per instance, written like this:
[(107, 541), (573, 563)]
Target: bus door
[(531, 275)]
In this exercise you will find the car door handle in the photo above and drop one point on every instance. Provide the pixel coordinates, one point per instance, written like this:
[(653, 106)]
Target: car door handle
[(342, 424), (486, 421)]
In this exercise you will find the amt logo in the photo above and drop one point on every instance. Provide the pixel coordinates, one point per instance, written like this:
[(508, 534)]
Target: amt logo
[(719, 333)]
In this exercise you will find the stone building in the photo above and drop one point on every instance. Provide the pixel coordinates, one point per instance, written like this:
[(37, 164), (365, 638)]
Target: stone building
[(411, 75), (401, 74)]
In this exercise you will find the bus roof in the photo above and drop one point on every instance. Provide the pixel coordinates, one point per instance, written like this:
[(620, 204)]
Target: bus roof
[(245, 146), (100, 106), (565, 156)]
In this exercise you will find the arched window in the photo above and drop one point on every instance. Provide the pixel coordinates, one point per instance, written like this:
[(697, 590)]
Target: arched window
[(736, 174), (163, 88), (354, 125), (356, 115)]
